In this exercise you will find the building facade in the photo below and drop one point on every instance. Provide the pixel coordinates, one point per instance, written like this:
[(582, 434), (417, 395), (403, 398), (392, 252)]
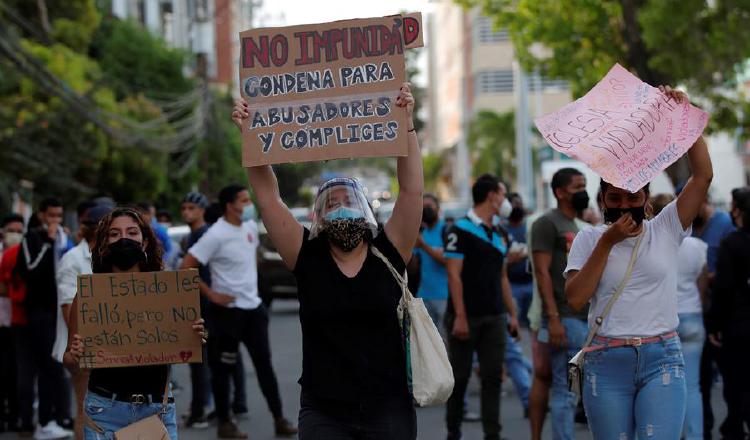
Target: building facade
[(206, 28)]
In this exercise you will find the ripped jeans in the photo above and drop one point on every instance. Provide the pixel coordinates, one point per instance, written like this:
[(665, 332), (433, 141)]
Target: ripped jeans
[(635, 390)]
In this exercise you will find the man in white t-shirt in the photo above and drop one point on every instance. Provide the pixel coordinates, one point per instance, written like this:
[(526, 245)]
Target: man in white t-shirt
[(228, 248)]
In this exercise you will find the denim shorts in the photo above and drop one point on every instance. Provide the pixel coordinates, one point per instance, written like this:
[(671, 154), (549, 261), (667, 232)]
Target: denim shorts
[(112, 415)]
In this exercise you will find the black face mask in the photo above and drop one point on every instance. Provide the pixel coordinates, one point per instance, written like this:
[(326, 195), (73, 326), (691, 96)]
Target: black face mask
[(580, 200), (611, 215), (699, 222), (429, 215), (124, 254), (517, 214)]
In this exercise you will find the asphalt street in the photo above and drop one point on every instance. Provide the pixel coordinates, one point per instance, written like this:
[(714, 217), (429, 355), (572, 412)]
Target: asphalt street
[(286, 345)]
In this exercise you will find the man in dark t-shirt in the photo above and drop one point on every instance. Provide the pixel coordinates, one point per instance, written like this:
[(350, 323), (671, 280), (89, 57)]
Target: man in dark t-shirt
[(480, 296), (552, 235)]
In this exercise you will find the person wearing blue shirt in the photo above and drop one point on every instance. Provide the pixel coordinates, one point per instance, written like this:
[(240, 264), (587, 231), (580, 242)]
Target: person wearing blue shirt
[(712, 226), (433, 288)]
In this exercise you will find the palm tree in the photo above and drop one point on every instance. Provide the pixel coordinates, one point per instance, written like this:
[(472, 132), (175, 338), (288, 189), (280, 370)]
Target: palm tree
[(491, 144)]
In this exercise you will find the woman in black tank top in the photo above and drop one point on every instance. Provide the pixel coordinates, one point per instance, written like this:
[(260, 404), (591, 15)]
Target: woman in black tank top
[(118, 397), (353, 365)]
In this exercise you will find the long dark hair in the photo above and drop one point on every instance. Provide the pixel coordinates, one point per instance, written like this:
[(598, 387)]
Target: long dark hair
[(153, 251)]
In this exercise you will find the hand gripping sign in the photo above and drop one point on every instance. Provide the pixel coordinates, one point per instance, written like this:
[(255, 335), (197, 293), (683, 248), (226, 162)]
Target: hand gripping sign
[(326, 91), (624, 129)]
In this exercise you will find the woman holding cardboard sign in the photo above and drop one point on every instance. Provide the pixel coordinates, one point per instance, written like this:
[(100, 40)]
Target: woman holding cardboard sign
[(118, 397), (354, 379), (633, 369)]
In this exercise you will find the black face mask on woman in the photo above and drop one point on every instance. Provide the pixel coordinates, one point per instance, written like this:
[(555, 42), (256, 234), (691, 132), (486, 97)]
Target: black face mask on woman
[(124, 254), (638, 213)]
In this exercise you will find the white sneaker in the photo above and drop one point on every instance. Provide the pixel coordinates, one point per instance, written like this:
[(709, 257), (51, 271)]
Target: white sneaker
[(52, 431)]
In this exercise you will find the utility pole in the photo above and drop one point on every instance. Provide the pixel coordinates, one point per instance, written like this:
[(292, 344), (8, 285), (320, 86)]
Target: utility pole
[(524, 169)]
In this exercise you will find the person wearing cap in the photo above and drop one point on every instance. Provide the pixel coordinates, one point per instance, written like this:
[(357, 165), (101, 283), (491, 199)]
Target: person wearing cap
[(75, 262), (354, 379)]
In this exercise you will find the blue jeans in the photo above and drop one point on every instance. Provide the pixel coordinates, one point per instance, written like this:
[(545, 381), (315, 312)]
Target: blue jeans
[(523, 294), (111, 415), (629, 390), (519, 369), (693, 336), (436, 310), (563, 403)]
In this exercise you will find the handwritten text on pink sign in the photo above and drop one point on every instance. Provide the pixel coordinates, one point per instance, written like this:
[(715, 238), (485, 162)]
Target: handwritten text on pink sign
[(624, 129)]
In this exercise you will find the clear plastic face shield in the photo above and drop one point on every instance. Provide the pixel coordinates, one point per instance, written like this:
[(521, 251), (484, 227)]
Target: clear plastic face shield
[(341, 200)]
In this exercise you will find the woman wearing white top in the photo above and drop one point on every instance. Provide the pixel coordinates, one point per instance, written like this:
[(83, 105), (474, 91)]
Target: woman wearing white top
[(634, 373)]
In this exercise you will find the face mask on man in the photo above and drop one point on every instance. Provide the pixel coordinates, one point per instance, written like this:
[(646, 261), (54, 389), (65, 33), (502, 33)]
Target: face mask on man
[(429, 215), (12, 238), (248, 213), (505, 209), (580, 200)]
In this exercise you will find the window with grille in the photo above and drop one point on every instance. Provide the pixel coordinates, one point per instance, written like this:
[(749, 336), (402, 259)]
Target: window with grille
[(493, 81), (486, 32), (549, 85)]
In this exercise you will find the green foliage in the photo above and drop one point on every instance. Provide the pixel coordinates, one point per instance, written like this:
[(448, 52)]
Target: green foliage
[(56, 146), (137, 62), (491, 143), (692, 42)]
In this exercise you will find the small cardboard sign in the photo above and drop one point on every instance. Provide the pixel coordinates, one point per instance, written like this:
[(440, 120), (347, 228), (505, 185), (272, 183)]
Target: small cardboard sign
[(326, 91), (624, 129), (139, 318)]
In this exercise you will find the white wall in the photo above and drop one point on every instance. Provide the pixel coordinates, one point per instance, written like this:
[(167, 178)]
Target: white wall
[(729, 169)]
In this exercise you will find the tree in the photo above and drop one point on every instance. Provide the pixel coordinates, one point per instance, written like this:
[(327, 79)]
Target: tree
[(491, 143), (699, 44)]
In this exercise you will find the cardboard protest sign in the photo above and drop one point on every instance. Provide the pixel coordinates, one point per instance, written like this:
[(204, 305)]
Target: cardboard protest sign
[(624, 129), (139, 318), (326, 91)]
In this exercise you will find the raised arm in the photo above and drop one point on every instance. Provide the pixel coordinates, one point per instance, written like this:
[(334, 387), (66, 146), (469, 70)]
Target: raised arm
[(694, 194), (285, 231), (403, 226)]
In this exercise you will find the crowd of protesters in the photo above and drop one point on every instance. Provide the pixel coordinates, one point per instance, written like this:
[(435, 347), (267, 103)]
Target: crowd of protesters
[(676, 264)]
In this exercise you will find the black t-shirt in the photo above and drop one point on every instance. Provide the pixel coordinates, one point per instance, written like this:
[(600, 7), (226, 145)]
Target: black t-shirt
[(730, 311), (36, 266), (483, 250), (125, 381), (190, 240), (352, 349)]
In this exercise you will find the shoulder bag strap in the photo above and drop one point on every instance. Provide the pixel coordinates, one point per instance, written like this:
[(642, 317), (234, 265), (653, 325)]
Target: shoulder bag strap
[(600, 319), (403, 281)]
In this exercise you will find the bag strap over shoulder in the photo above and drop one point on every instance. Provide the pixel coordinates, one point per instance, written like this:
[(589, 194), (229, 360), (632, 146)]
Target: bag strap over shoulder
[(600, 319), (402, 281)]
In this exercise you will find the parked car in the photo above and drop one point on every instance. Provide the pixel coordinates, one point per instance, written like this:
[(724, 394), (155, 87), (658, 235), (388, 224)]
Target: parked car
[(275, 281)]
